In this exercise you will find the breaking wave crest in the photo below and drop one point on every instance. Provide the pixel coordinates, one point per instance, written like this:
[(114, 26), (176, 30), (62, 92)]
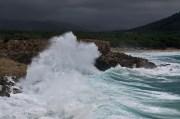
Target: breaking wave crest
[(62, 83)]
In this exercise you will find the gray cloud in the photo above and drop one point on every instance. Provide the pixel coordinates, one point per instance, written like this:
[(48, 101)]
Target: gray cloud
[(100, 14)]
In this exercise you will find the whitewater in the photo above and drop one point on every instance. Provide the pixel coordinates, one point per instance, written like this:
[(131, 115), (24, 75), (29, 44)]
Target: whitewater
[(62, 83)]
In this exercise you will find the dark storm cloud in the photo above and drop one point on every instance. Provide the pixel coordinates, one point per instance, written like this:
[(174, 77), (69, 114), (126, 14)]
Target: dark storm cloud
[(101, 14)]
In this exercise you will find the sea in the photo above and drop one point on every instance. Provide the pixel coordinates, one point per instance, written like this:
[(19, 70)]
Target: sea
[(62, 83)]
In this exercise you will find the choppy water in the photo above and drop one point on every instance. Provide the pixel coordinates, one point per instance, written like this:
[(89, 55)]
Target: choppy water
[(62, 83)]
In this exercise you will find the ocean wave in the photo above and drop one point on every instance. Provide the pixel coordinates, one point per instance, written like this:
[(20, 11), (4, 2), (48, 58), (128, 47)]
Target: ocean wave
[(62, 83)]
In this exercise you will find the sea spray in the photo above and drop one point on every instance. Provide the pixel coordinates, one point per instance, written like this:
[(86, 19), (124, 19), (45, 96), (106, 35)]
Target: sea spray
[(62, 83), (56, 85), (59, 75), (65, 56)]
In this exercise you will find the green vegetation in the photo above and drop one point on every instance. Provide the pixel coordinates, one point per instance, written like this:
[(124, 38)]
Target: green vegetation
[(162, 34), (159, 40)]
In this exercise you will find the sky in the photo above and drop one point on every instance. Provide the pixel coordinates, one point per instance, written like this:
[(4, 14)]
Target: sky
[(95, 14)]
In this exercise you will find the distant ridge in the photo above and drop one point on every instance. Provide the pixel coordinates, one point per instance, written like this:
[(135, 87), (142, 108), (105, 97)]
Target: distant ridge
[(38, 26), (171, 23)]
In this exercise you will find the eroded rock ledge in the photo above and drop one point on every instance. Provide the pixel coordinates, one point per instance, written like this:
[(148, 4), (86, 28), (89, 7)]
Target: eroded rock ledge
[(110, 59)]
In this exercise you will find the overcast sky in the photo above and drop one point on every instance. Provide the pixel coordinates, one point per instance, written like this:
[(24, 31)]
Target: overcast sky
[(100, 14)]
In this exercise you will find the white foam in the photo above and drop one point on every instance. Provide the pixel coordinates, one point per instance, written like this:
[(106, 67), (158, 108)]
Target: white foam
[(171, 68), (60, 84), (56, 83)]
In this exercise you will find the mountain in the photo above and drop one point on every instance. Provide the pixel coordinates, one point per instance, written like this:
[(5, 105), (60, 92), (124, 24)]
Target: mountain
[(171, 23), (38, 26)]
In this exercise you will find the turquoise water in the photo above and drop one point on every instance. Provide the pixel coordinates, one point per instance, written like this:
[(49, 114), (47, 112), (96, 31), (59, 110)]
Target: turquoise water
[(143, 93), (62, 83)]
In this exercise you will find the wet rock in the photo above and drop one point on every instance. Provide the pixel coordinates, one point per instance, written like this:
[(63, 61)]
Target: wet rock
[(7, 86), (10, 72), (16, 54), (112, 59), (163, 65), (16, 90), (14, 57)]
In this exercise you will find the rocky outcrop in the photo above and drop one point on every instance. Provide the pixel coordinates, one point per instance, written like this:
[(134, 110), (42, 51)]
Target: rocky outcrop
[(9, 67), (15, 55), (10, 72), (110, 59), (8, 86), (22, 50)]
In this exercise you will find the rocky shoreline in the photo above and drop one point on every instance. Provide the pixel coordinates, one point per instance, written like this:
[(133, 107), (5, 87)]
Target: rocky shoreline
[(110, 59), (122, 50), (15, 55)]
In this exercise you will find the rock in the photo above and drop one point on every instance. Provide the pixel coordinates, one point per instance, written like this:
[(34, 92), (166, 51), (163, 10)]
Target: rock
[(14, 57), (112, 59), (22, 50), (9, 67), (7, 86), (10, 72), (16, 90), (163, 65), (16, 54)]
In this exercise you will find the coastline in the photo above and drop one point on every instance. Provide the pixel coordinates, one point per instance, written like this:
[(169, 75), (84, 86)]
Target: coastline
[(139, 50)]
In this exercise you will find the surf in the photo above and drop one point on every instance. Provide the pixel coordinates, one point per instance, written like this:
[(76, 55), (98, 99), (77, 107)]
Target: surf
[(62, 83)]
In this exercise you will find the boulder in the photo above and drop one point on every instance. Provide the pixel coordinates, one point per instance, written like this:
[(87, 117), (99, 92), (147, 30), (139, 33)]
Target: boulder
[(112, 59)]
